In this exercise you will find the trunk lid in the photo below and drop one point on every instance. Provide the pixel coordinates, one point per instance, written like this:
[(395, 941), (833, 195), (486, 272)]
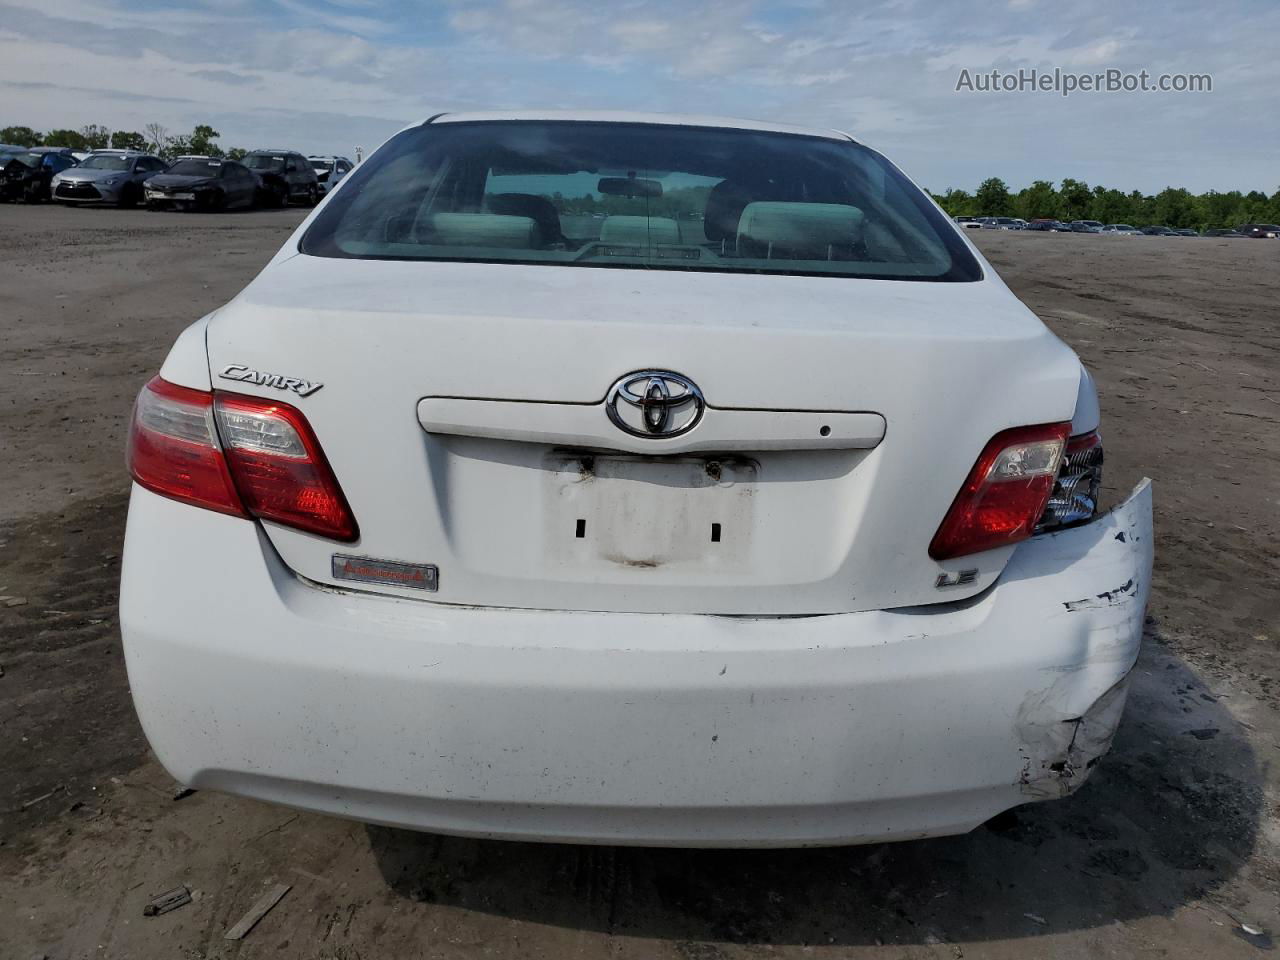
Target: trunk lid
[(462, 408)]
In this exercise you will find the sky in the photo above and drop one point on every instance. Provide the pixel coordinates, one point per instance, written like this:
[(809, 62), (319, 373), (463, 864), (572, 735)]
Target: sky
[(323, 76)]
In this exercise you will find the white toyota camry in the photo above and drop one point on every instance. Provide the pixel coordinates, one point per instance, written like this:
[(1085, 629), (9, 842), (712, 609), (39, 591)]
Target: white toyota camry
[(629, 479)]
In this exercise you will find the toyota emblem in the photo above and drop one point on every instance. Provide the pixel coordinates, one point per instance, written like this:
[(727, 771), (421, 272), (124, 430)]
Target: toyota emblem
[(654, 403)]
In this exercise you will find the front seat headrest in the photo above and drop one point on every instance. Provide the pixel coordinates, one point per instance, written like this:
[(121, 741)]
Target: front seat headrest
[(538, 209), (800, 231)]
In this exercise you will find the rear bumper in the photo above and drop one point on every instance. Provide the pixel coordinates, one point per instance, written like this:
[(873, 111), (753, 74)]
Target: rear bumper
[(629, 728)]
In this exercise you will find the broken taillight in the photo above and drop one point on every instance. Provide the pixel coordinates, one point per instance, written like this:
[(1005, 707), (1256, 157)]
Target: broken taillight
[(1005, 493), (236, 454), (1075, 493)]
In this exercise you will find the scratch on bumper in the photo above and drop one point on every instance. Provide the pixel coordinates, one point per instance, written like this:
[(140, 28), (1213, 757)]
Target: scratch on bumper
[(1067, 726)]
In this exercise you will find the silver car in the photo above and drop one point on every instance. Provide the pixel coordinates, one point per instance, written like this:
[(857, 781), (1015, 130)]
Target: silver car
[(329, 170), (107, 176)]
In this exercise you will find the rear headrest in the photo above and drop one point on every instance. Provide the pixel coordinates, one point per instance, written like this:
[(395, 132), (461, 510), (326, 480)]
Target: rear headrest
[(639, 231), (484, 230), (724, 208), (799, 231), (538, 209)]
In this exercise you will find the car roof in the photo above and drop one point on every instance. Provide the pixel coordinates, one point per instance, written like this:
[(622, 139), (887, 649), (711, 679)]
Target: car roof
[(622, 116)]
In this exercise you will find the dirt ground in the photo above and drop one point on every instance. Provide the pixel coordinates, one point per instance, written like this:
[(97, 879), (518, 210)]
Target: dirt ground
[(1167, 851)]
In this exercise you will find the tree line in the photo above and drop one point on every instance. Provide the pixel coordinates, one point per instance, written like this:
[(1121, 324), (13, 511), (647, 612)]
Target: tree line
[(1076, 200), (154, 138)]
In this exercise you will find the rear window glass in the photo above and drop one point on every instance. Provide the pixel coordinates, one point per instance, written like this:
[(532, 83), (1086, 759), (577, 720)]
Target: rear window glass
[(196, 168), (640, 196)]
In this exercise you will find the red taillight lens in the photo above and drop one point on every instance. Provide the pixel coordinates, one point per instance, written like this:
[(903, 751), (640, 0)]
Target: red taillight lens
[(236, 454), (1005, 493), (278, 467), (173, 448)]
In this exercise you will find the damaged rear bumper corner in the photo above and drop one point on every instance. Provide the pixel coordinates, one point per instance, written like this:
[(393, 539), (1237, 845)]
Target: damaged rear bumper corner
[(1067, 726)]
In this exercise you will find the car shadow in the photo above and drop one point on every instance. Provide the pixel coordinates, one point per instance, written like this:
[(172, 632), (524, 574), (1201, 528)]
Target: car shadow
[(1168, 816)]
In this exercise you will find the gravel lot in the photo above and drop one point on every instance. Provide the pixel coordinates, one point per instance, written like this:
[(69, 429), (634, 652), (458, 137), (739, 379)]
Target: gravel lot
[(1166, 851)]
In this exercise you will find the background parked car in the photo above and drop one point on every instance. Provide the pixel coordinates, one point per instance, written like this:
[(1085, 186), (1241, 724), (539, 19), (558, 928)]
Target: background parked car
[(1185, 232), (1086, 226), (1054, 226), (1157, 231), (286, 176), (1004, 223), (329, 170), (1223, 233), (203, 185), (26, 176), (107, 176), (1121, 230), (1259, 231)]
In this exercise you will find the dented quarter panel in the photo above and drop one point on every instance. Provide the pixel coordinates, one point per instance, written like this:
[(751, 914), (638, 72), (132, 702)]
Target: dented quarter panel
[(1067, 725)]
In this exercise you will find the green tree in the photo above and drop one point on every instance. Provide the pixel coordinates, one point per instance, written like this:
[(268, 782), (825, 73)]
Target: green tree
[(237, 153), (1074, 199), (992, 198), (1040, 200), (95, 137), (957, 203), (66, 138), (21, 136), (1175, 207), (1110, 206), (202, 141), (128, 140)]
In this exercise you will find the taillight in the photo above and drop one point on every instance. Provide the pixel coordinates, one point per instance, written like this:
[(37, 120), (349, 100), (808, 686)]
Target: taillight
[(1005, 492), (174, 450), (236, 454), (1075, 494), (279, 468)]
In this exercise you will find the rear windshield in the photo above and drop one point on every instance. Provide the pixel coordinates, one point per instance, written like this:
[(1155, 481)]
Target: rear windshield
[(196, 168), (106, 161), (640, 196), (262, 161)]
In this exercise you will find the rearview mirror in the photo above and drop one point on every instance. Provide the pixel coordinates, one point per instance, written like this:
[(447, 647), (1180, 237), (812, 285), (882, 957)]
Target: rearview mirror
[(629, 187)]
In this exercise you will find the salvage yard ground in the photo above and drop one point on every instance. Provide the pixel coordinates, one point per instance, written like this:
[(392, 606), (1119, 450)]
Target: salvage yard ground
[(1170, 850)]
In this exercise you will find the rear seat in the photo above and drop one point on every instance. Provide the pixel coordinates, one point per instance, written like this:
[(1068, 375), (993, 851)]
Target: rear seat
[(484, 230), (640, 231), (800, 231)]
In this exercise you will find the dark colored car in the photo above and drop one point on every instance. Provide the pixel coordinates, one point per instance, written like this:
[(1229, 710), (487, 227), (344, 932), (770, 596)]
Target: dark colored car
[(1259, 231), (1054, 226), (1157, 231), (1223, 233), (1188, 232), (26, 176), (1086, 226), (203, 185), (287, 176)]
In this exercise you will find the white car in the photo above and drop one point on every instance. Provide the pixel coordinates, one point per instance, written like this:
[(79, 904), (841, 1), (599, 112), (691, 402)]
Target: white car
[(330, 170), (481, 512), (1121, 230)]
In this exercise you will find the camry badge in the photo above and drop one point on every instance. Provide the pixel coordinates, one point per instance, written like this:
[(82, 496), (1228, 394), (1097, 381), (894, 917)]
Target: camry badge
[(654, 403), (238, 371)]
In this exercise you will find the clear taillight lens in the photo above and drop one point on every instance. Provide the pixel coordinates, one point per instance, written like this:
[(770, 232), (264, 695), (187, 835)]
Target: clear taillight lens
[(1005, 492), (1075, 494), (278, 467)]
